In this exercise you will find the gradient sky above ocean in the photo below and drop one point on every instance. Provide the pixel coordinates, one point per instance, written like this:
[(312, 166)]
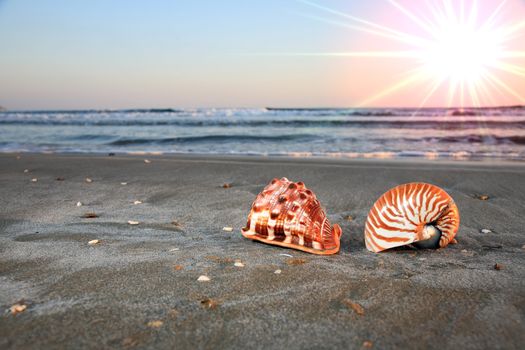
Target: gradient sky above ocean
[(186, 53)]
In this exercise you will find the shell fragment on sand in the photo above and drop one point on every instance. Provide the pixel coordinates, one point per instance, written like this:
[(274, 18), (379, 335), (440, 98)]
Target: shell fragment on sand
[(287, 255), (227, 229), (238, 264), (94, 241), (485, 230), (18, 308), (155, 324), (358, 309), (277, 272), (89, 180), (137, 202), (123, 183), (79, 204), (131, 222), (26, 170), (203, 278), (34, 179), (147, 161)]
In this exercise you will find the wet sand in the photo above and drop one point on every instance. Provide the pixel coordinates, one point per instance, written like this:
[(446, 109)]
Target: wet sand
[(138, 288)]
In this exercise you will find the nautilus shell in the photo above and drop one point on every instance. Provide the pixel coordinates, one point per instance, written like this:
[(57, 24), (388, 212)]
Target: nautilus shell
[(289, 215), (420, 214)]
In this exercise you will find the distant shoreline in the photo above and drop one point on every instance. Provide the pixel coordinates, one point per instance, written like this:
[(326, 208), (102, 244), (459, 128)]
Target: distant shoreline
[(285, 109)]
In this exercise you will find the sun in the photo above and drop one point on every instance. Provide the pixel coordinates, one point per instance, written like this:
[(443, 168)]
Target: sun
[(462, 53), (459, 47)]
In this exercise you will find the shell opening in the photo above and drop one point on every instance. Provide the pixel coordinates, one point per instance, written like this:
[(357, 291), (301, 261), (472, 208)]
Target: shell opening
[(431, 236)]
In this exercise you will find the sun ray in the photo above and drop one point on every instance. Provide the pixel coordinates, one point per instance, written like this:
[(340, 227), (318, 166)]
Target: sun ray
[(505, 86), (411, 78), (490, 21), (413, 17), (453, 85), (369, 54), (431, 92), (510, 68), (399, 34), (401, 38)]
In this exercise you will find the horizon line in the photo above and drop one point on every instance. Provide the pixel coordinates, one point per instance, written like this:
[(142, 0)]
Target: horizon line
[(176, 109)]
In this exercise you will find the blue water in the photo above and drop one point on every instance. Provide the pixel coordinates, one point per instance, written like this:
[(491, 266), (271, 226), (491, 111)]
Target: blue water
[(346, 133)]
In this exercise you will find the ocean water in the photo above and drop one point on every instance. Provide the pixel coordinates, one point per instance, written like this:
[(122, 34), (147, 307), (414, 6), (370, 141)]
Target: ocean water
[(434, 133)]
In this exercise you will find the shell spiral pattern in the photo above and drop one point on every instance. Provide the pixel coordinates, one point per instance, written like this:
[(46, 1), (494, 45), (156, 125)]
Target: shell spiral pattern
[(410, 213), (288, 214)]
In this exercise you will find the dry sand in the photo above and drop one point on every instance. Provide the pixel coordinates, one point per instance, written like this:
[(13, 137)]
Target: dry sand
[(138, 286)]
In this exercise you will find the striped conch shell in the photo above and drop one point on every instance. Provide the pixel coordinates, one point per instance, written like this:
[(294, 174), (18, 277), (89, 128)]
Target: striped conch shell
[(417, 213), (289, 215)]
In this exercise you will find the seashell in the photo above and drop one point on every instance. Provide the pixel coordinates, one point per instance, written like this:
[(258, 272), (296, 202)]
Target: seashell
[(416, 213), (289, 215)]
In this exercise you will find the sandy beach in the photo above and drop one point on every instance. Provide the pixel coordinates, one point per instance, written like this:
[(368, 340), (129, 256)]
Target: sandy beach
[(138, 286)]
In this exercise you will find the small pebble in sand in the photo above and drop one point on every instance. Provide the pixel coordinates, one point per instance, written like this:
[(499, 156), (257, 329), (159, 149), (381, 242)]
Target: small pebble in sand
[(349, 218), (227, 229), (238, 264), (89, 180), (155, 324), (18, 308), (277, 272), (226, 185), (137, 202), (90, 216), (209, 303), (131, 222), (178, 267), (203, 279), (147, 161), (94, 241), (482, 197), (26, 170), (368, 344), (176, 224), (79, 204), (34, 179), (498, 267), (485, 230), (123, 183)]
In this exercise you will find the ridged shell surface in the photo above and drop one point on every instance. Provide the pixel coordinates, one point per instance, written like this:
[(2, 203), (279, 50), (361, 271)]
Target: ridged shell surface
[(288, 214), (400, 215)]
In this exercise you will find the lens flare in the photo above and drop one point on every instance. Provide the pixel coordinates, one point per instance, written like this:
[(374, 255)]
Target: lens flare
[(459, 46)]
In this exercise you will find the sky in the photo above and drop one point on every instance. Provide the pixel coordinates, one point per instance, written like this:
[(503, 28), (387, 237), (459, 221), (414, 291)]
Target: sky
[(63, 54)]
